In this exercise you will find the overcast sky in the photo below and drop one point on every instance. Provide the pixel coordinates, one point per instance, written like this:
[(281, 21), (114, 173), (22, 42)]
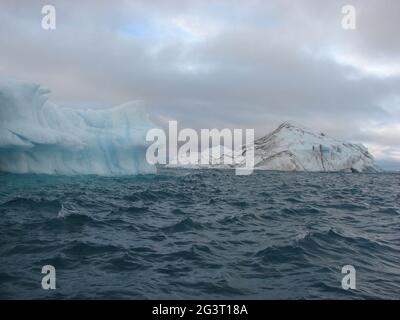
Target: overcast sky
[(236, 64)]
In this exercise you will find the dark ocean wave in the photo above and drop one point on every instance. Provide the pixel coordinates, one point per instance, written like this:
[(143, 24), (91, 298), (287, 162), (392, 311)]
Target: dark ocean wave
[(201, 234), (40, 205)]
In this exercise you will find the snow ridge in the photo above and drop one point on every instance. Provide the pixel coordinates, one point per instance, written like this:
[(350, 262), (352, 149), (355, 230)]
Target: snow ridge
[(293, 147)]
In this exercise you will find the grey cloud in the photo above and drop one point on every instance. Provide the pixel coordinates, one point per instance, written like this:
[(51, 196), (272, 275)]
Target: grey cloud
[(267, 61)]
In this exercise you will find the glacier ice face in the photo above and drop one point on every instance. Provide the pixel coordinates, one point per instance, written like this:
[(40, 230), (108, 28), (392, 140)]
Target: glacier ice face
[(37, 136), (292, 147)]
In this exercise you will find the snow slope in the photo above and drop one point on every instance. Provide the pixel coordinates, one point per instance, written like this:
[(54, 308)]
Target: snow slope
[(292, 147), (37, 136)]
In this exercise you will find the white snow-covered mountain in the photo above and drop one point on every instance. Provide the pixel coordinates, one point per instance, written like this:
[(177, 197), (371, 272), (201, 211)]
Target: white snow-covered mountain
[(292, 147)]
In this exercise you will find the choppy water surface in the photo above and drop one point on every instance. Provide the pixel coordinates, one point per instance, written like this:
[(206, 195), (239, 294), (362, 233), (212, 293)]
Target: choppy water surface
[(200, 234)]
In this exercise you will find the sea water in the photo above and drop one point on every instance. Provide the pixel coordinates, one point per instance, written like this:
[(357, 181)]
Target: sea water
[(200, 234)]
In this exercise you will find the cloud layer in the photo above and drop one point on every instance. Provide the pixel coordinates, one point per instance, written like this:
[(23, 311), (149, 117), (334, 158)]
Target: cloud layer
[(220, 64)]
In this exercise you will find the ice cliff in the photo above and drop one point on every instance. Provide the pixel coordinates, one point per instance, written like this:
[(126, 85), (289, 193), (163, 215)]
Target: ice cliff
[(37, 136), (293, 147)]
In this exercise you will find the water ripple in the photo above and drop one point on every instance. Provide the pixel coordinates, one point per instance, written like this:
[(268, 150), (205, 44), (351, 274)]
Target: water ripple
[(200, 234)]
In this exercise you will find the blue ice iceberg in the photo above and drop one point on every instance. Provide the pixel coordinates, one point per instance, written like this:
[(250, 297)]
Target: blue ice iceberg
[(37, 136)]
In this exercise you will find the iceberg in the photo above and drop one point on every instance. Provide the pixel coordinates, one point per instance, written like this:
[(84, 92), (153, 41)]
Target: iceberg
[(37, 136), (293, 147)]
